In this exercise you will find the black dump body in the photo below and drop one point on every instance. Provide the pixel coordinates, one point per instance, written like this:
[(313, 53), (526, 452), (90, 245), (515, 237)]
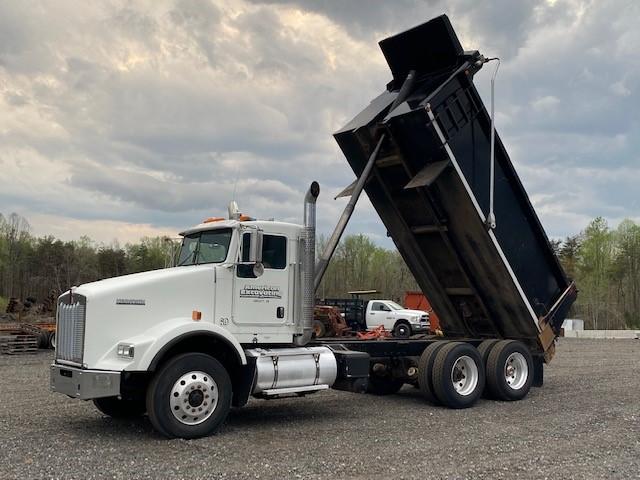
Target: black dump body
[(430, 185)]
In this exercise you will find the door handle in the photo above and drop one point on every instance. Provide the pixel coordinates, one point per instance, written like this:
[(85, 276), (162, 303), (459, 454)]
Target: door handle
[(280, 312)]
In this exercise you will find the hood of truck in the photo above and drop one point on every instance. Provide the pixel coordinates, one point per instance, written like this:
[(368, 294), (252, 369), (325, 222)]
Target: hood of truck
[(124, 307), (134, 281), (412, 313)]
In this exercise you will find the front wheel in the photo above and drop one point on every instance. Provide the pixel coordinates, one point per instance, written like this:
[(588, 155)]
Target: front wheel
[(402, 330), (120, 407), (190, 396)]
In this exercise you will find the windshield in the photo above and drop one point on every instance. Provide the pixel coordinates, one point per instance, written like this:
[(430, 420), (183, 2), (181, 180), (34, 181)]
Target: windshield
[(394, 306), (205, 247)]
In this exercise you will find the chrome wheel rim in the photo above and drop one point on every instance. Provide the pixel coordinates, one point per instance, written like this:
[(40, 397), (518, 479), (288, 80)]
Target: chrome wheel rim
[(403, 331), (193, 398), (464, 375), (516, 371)]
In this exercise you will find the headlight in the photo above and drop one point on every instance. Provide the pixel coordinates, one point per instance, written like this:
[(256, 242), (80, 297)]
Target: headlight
[(126, 350)]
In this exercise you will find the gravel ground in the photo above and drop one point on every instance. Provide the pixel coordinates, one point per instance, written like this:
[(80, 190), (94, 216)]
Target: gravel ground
[(584, 423)]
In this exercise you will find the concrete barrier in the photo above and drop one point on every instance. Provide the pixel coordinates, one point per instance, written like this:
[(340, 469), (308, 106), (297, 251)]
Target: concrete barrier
[(602, 334)]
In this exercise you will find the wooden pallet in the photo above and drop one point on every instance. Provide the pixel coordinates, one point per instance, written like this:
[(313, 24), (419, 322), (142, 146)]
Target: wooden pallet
[(18, 344)]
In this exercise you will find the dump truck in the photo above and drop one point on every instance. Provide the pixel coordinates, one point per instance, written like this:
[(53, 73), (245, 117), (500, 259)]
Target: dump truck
[(233, 319)]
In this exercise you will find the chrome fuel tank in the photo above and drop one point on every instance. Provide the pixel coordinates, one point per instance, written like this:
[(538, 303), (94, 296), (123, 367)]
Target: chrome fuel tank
[(293, 370)]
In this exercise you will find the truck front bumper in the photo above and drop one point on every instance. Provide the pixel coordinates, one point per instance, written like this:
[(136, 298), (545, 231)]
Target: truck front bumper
[(84, 384), (419, 327)]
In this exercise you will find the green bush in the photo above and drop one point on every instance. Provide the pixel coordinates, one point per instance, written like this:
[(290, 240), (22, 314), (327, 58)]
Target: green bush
[(3, 304)]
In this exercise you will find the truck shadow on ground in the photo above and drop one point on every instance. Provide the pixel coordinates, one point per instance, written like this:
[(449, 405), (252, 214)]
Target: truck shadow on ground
[(265, 414), (258, 414)]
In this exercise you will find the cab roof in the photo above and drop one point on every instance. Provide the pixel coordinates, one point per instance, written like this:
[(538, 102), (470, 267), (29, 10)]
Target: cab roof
[(267, 226)]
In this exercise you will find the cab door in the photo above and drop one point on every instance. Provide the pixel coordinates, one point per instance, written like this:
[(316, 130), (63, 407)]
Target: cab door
[(380, 314), (263, 301)]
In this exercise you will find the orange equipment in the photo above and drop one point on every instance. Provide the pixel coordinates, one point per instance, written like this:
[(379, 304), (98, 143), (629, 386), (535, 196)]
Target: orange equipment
[(375, 334), (417, 301)]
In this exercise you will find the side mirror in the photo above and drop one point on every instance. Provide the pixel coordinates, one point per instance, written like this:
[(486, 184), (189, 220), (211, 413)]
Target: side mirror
[(258, 269), (255, 246)]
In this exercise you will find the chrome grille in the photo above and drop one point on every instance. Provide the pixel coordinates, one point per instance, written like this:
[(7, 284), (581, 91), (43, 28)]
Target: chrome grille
[(70, 328)]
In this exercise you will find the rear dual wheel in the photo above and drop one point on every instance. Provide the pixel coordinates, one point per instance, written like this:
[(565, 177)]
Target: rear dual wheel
[(458, 375), (451, 374), (455, 373), (509, 370), (425, 371)]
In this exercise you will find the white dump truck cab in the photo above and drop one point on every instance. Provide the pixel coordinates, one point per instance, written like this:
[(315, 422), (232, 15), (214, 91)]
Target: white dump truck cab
[(231, 320), (403, 322)]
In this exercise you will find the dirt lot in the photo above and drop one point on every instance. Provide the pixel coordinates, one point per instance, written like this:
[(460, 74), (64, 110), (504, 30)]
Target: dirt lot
[(584, 423)]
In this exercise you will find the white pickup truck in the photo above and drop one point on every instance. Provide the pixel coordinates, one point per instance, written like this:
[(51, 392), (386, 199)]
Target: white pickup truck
[(399, 320)]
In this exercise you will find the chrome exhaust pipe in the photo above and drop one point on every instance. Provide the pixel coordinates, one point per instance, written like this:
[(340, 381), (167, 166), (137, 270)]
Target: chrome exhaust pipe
[(308, 264)]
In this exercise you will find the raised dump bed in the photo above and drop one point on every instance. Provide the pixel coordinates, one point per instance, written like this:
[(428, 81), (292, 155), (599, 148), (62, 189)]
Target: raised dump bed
[(431, 186)]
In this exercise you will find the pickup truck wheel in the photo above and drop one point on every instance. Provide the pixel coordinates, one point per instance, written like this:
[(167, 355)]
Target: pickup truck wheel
[(425, 371), (119, 407), (458, 375), (509, 370), (189, 396), (383, 386), (52, 340), (402, 329)]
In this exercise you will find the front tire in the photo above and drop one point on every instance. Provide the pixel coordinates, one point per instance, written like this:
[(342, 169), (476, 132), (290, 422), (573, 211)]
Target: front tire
[(189, 396), (402, 329), (120, 407)]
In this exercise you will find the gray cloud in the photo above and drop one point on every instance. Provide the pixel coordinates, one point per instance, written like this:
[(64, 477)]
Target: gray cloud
[(161, 115)]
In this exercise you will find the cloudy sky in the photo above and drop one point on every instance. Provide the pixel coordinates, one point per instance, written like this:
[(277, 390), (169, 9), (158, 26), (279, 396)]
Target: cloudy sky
[(124, 119)]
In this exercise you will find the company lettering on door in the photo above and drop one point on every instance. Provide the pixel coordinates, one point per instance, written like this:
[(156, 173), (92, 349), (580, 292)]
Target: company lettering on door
[(260, 291)]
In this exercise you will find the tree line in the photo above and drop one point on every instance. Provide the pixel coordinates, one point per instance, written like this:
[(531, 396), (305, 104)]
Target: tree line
[(38, 267), (604, 262)]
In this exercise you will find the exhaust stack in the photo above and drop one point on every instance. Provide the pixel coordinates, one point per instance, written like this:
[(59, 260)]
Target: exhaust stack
[(308, 263)]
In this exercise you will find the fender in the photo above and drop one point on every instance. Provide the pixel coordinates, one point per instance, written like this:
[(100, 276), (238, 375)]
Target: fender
[(164, 335)]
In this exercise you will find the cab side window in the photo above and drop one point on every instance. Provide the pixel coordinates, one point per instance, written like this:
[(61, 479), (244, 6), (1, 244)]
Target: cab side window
[(274, 254), (379, 307)]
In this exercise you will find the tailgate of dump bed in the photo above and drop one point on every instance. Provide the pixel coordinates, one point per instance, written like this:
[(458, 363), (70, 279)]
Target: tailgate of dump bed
[(430, 186)]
